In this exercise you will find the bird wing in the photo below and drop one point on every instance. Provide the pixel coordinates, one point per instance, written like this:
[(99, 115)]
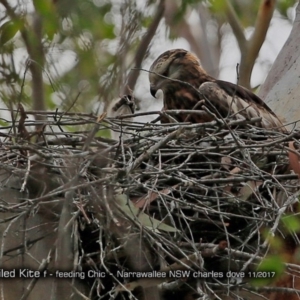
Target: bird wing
[(230, 99), (234, 89)]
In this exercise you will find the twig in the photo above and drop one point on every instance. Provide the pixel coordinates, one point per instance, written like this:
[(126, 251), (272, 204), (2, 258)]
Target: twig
[(155, 147), (143, 47)]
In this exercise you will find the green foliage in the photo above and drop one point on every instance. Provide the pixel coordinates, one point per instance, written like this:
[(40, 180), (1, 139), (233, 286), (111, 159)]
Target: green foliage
[(273, 265), (46, 9), (185, 4), (127, 207), (91, 18), (104, 133), (292, 223), (274, 241), (284, 5), (4, 123), (270, 269), (246, 11), (217, 6), (9, 29)]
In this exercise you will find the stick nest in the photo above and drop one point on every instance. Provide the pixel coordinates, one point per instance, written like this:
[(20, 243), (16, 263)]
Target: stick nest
[(163, 198)]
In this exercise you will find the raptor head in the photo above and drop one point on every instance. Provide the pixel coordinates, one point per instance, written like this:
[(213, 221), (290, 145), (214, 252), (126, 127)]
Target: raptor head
[(177, 64)]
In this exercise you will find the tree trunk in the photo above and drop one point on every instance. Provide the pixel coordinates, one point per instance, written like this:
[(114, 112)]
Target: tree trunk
[(281, 89)]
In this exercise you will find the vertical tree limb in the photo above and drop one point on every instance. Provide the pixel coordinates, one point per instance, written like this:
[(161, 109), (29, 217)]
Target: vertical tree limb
[(211, 51), (285, 59), (250, 49), (256, 40), (198, 43), (142, 49), (32, 37), (36, 52), (236, 26), (281, 88)]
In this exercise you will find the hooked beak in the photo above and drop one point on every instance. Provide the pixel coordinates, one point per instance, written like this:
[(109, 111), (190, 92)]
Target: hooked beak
[(153, 90)]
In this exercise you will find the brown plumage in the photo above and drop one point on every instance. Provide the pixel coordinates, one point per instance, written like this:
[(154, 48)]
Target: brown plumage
[(221, 97)]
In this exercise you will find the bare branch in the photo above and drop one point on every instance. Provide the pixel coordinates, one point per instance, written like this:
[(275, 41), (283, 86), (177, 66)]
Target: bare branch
[(33, 40), (198, 42), (250, 49), (254, 44), (142, 49), (236, 26)]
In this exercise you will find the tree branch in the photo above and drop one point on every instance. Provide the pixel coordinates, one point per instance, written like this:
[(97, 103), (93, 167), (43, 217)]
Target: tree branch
[(254, 44), (142, 49), (236, 26), (196, 39), (33, 41), (211, 51), (281, 88)]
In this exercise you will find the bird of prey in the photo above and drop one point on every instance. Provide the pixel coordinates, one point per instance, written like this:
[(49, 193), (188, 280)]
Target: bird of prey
[(184, 83)]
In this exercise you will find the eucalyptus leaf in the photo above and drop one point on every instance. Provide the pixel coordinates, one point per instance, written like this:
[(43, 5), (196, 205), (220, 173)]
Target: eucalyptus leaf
[(8, 30), (136, 214)]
